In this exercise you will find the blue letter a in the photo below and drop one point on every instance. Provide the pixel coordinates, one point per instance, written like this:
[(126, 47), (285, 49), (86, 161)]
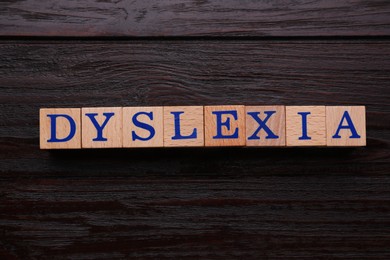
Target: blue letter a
[(349, 126)]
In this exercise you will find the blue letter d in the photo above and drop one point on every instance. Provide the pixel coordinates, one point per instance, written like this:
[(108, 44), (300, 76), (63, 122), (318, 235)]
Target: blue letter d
[(53, 128)]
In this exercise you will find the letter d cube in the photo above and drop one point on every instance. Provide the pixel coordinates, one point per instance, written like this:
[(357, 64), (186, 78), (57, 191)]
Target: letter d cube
[(60, 128)]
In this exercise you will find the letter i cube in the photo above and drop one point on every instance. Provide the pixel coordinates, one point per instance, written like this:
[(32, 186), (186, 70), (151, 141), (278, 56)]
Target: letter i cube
[(305, 126)]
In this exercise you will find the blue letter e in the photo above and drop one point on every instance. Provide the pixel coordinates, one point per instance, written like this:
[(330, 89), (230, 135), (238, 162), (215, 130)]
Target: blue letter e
[(53, 128), (226, 123)]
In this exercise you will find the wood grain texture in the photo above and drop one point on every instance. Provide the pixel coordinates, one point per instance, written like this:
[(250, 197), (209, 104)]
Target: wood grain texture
[(192, 203), (302, 216), (194, 18)]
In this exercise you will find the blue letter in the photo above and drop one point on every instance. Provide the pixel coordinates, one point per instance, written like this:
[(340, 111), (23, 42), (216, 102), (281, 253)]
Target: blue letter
[(226, 124), (349, 126), (98, 127), (262, 125), (53, 125), (304, 126), (144, 126), (177, 135)]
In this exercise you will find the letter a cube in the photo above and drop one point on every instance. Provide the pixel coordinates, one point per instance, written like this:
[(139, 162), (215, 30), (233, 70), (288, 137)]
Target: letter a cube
[(346, 125)]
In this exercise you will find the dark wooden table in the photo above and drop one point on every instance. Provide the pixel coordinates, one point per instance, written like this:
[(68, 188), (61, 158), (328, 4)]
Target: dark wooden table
[(227, 203)]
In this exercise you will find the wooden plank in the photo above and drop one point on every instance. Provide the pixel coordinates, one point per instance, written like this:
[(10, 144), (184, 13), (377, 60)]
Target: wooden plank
[(77, 74), (302, 216), (194, 18), (194, 202)]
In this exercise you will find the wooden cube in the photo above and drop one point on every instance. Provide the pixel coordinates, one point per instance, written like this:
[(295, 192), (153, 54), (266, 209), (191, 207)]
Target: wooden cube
[(224, 125), (60, 128), (305, 126), (265, 126), (101, 127), (183, 126), (346, 125), (143, 127)]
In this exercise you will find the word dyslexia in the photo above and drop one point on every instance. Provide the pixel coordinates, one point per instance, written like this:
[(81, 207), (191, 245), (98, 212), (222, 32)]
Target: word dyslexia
[(193, 126)]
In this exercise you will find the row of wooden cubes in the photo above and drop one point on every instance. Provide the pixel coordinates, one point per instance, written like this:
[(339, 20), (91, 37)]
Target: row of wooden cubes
[(194, 126)]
